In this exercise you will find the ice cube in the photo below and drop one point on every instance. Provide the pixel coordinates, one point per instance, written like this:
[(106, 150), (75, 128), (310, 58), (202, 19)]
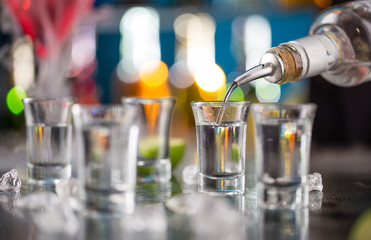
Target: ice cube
[(216, 219), (315, 182), (148, 222), (190, 174), (181, 204), (46, 211), (69, 192), (10, 182), (207, 217), (315, 200), (9, 200)]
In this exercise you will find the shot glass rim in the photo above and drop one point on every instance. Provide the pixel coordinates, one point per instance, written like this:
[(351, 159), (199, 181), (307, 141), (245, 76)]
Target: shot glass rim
[(146, 99), (220, 103), (49, 99), (256, 106), (92, 109), (89, 106), (78, 107)]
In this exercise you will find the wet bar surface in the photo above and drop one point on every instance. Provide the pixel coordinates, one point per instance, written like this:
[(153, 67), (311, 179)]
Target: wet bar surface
[(341, 214)]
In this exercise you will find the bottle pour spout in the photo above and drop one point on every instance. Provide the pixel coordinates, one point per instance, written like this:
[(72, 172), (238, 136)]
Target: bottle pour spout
[(259, 71)]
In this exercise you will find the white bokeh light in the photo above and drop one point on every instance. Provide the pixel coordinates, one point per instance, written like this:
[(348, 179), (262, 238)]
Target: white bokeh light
[(140, 41), (257, 40), (209, 77)]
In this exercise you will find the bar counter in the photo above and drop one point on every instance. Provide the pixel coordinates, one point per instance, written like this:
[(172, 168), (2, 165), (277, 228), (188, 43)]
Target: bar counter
[(341, 211)]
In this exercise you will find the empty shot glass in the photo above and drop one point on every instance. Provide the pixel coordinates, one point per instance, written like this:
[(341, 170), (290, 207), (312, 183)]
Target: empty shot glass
[(282, 140), (49, 139), (107, 137), (153, 163), (221, 146)]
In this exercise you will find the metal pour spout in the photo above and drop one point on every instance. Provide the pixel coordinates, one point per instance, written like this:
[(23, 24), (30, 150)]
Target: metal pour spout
[(259, 71)]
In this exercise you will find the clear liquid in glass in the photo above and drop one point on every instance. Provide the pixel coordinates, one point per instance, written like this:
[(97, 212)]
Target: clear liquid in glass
[(222, 157), (49, 153), (108, 184), (283, 147)]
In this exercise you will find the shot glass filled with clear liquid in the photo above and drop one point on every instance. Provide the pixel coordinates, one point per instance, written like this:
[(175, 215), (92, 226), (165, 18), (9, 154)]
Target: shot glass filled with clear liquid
[(154, 115), (107, 138), (221, 146), (282, 140), (49, 139)]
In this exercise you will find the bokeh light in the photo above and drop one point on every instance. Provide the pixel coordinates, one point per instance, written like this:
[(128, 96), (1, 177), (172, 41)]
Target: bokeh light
[(179, 76), (154, 73), (126, 71), (83, 52), (210, 96), (209, 77), (14, 99), (140, 41), (361, 228), (237, 94), (323, 3), (23, 64), (147, 91), (266, 91), (181, 25), (257, 39), (200, 40)]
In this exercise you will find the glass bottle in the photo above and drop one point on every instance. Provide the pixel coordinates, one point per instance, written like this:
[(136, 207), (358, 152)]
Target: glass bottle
[(338, 47)]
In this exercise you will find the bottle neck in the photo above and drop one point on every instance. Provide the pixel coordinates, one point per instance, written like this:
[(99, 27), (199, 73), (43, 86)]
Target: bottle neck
[(302, 58)]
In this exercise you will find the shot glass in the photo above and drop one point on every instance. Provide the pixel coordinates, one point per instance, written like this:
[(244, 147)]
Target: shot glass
[(153, 162), (221, 146), (49, 138), (282, 140), (107, 137)]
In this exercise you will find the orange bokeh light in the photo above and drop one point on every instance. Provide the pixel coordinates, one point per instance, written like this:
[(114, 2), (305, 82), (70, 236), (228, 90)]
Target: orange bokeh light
[(212, 96), (323, 3), (154, 73), (153, 92)]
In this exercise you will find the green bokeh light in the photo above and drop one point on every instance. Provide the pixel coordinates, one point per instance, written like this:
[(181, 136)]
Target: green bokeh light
[(237, 94), (267, 92), (14, 99)]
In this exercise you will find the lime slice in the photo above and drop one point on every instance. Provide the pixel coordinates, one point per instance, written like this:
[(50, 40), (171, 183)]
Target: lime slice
[(361, 228), (149, 147), (235, 152), (177, 149)]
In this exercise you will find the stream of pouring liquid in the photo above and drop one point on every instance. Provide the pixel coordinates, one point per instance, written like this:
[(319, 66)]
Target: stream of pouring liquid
[(251, 74)]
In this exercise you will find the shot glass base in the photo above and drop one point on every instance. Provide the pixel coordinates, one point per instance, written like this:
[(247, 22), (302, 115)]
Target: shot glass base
[(292, 197), (47, 174), (105, 203), (152, 192), (37, 186), (221, 186), (154, 170)]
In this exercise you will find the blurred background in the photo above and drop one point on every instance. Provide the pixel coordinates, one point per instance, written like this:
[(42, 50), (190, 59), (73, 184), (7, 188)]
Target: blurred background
[(108, 49)]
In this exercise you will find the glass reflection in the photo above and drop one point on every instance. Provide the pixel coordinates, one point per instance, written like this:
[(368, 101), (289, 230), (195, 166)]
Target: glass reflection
[(156, 192), (283, 224)]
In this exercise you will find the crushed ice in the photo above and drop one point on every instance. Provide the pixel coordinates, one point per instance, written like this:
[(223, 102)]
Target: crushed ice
[(315, 182), (207, 217), (8, 201), (149, 220), (315, 200), (10, 182), (69, 192), (48, 213), (190, 174)]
